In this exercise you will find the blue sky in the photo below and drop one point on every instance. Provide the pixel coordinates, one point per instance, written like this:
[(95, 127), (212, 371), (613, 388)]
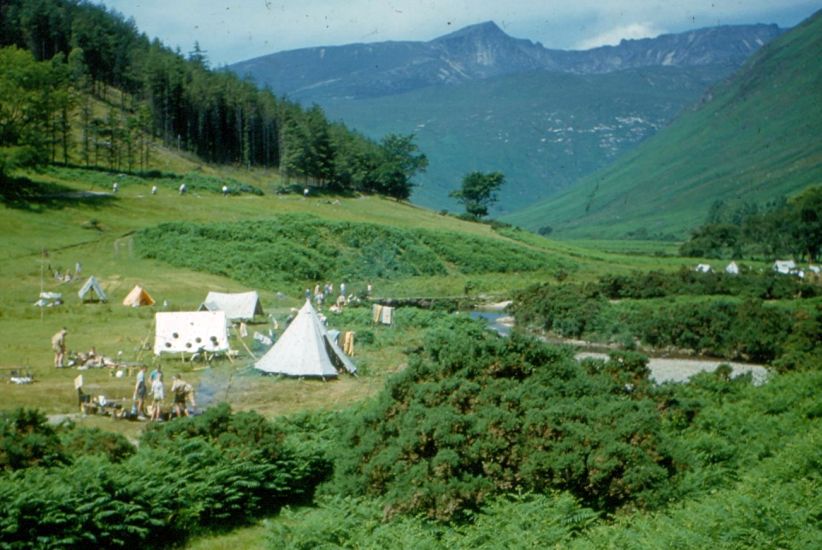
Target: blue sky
[(232, 31)]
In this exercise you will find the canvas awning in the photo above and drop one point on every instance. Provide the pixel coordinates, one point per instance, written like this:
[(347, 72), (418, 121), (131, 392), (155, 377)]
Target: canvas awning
[(190, 332)]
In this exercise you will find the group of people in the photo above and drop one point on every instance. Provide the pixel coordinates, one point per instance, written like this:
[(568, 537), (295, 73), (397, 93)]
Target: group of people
[(182, 393), (320, 294)]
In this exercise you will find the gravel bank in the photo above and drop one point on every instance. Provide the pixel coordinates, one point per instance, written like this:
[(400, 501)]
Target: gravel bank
[(679, 370)]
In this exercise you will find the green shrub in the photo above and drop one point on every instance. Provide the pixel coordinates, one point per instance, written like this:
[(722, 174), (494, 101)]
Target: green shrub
[(476, 415), (298, 248), (81, 441), (27, 439), (192, 474)]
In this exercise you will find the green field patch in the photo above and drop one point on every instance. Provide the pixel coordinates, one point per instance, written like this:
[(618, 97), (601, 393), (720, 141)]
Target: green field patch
[(297, 248)]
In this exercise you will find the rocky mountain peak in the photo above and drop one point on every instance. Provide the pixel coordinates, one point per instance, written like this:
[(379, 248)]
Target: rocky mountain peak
[(487, 30)]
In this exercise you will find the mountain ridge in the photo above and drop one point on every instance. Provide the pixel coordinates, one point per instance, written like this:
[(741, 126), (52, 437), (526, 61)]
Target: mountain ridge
[(754, 139), (481, 51)]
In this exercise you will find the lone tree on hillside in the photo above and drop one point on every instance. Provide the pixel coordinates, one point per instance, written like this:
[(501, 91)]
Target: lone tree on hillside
[(400, 160), (478, 192)]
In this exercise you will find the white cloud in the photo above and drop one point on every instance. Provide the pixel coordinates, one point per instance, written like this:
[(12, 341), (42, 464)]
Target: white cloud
[(612, 37)]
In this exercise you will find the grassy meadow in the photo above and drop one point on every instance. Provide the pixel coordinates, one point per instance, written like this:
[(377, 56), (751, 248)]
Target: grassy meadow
[(57, 228)]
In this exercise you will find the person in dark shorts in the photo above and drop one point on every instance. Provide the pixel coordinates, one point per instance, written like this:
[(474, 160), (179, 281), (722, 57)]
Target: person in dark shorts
[(140, 391)]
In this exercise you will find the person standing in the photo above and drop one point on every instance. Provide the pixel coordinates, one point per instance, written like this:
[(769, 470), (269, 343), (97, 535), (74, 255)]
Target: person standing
[(140, 391), (58, 344), (158, 394), (182, 392)]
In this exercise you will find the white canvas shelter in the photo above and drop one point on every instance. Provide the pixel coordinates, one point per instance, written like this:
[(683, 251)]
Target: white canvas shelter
[(92, 285), (49, 299), (190, 332), (138, 297), (305, 349), (703, 268), (784, 266), (732, 269), (237, 306)]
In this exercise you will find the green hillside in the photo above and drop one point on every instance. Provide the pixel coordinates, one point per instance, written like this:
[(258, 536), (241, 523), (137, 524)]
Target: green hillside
[(756, 138), (543, 130), (449, 436)]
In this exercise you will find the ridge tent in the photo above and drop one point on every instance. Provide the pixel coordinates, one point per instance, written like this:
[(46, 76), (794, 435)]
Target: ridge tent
[(732, 269), (240, 306), (138, 297), (305, 349), (786, 267), (92, 285), (190, 331)]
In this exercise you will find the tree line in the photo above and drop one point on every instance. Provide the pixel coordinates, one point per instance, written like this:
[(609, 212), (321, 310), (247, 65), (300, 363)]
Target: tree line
[(76, 51), (790, 228)]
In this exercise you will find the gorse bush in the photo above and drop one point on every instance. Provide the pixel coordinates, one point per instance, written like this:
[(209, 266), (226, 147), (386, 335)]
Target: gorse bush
[(768, 285), (299, 248), (27, 439), (81, 441), (192, 474), (568, 310), (476, 415), (729, 327)]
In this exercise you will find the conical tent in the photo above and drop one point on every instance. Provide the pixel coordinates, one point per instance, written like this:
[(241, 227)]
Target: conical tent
[(138, 297), (237, 306), (304, 349), (92, 285)]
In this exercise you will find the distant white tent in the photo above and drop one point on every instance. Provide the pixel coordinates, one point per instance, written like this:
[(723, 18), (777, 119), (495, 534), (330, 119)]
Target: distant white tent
[(732, 269), (305, 349), (190, 332), (92, 285), (49, 299), (138, 297), (784, 266), (237, 306), (703, 268)]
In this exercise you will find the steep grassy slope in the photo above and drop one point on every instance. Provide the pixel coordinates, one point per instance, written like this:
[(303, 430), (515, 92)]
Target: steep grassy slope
[(755, 139), (543, 130)]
